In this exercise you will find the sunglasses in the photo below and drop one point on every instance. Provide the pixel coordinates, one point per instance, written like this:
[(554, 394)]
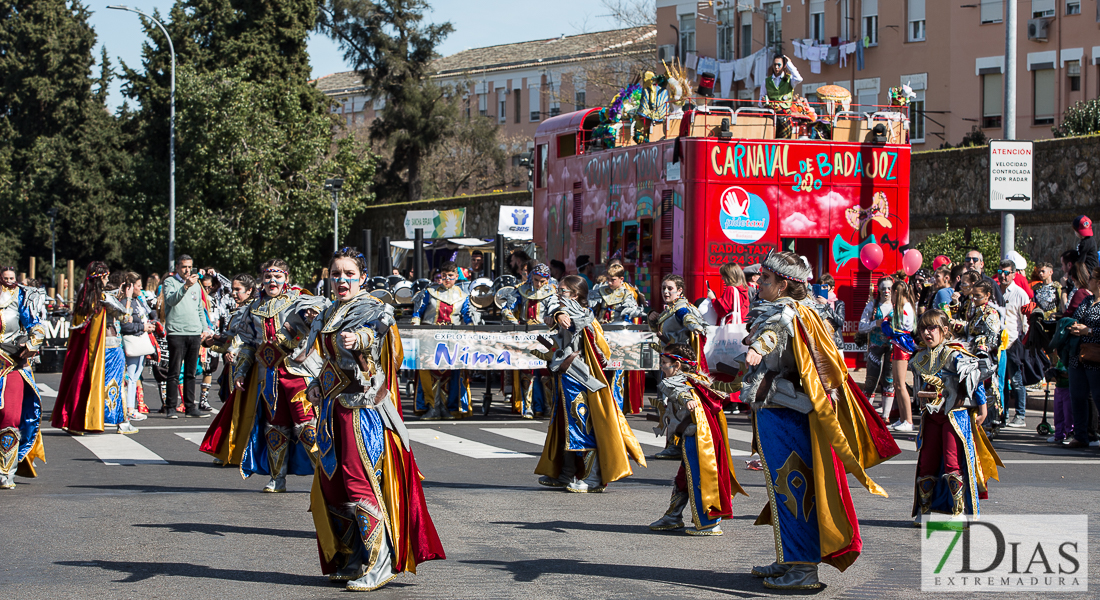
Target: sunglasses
[(972, 259), (1004, 272)]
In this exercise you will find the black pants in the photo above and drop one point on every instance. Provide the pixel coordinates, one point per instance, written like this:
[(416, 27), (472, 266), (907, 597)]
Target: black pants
[(182, 350)]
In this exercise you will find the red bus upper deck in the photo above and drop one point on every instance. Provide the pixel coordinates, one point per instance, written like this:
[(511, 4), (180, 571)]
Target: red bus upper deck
[(716, 186)]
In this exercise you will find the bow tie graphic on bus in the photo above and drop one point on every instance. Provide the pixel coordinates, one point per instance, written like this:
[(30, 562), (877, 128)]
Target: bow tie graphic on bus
[(714, 184)]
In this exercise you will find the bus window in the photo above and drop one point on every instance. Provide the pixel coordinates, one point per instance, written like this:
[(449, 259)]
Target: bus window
[(645, 242), (630, 243), (567, 145), (540, 166), (614, 243)]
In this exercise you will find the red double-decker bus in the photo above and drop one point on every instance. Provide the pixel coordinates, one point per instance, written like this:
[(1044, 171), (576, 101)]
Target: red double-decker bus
[(717, 187)]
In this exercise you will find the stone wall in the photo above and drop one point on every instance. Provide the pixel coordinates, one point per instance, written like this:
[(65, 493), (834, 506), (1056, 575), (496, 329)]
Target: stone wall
[(953, 185), (482, 212)]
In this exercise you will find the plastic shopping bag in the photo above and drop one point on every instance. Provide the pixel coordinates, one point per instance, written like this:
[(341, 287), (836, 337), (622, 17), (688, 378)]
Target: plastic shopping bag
[(710, 315), (725, 344)]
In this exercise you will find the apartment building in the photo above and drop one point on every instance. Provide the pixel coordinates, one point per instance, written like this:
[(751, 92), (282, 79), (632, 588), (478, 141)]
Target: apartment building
[(950, 53), (519, 85)]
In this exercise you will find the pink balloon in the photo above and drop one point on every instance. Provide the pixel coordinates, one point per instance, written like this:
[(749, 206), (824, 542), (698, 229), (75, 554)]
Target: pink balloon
[(871, 256), (912, 261)]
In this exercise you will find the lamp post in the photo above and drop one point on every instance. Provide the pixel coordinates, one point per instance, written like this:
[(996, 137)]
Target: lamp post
[(53, 247), (171, 141), (333, 186)]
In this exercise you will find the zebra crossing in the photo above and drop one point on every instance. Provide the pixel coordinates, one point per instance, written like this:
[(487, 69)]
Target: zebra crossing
[(452, 438)]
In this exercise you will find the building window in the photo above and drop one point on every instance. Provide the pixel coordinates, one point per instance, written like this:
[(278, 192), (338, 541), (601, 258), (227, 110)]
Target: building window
[(516, 104), (578, 101), (868, 100), (1073, 7), (773, 13), (727, 34), (746, 35), (992, 100), (916, 20), (817, 20), (1073, 71), (1042, 8), (1043, 82), (916, 118), (535, 96), (870, 21), (502, 106), (687, 36), (483, 105), (992, 11)]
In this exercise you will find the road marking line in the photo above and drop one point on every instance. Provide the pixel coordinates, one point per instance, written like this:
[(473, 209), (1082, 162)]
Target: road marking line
[(531, 436), (170, 427), (45, 391), (114, 449), (191, 437), (1040, 461), (469, 422), (460, 446), (649, 438)]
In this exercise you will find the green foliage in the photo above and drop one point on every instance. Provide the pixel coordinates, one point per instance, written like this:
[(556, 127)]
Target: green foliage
[(953, 244), (58, 147), (1082, 118), (258, 160), (393, 51), (976, 137)]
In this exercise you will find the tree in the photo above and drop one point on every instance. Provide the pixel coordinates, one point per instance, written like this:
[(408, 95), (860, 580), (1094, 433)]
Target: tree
[(393, 50), (258, 161), (1082, 118), (58, 146), (475, 160)]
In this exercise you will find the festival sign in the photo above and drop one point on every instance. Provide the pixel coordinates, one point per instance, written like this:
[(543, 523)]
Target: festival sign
[(436, 224), (516, 222), (500, 349)]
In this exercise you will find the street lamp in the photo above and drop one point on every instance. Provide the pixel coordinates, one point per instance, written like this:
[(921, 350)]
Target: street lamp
[(171, 142), (53, 246), (333, 186)]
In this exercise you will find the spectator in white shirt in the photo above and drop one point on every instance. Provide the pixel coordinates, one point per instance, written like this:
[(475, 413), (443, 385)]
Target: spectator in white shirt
[(1012, 380)]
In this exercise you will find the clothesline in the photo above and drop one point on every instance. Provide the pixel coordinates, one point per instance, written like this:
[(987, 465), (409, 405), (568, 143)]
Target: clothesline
[(751, 69)]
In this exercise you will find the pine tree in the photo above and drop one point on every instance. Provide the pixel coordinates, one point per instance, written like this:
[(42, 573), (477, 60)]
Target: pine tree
[(393, 50)]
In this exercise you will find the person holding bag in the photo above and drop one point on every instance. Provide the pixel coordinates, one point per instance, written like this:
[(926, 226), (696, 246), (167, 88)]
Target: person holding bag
[(1084, 365), (137, 343)]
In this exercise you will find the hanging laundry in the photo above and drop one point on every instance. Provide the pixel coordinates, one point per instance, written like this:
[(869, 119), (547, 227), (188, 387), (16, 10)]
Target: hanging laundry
[(760, 66), (859, 57), (707, 65), (815, 66), (798, 49), (833, 55), (691, 60), (743, 67), (725, 76)]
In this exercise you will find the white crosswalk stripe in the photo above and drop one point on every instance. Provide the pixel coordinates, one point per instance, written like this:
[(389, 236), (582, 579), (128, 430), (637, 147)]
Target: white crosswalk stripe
[(114, 449), (191, 437), (648, 438), (45, 391), (531, 436), (468, 448)]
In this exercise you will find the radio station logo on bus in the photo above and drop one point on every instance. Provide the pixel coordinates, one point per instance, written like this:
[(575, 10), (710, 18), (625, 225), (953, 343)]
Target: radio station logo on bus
[(743, 216)]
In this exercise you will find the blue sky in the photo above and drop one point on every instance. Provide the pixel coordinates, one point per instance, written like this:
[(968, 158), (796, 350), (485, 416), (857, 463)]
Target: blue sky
[(477, 23)]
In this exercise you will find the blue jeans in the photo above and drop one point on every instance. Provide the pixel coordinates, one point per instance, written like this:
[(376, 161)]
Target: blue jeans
[(134, 365), (1081, 382), (1012, 384)]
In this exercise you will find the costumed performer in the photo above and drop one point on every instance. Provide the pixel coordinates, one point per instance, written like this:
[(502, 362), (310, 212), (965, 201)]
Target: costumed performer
[(588, 443), (778, 93), (705, 480), (443, 394), (282, 421), (85, 403), (813, 427), (367, 502), (526, 306), (22, 333), (614, 301), (679, 323), (228, 434), (955, 459)]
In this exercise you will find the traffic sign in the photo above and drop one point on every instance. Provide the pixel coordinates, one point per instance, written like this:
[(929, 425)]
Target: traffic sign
[(1011, 174)]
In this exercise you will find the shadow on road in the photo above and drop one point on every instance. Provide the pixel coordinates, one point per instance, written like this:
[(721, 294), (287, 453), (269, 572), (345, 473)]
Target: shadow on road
[(136, 572), (221, 529), (741, 585), (165, 489)]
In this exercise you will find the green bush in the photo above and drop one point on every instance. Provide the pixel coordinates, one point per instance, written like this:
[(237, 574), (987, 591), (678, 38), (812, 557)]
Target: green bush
[(1082, 118), (952, 244)]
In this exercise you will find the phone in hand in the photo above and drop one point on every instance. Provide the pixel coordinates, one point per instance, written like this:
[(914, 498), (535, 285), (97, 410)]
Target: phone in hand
[(821, 291)]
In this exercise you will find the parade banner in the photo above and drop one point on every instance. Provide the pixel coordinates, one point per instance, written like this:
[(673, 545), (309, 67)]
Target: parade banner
[(436, 224), (498, 349)]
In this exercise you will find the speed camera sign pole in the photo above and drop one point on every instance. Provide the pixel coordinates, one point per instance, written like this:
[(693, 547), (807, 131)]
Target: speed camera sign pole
[(1008, 220), (1011, 188)]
